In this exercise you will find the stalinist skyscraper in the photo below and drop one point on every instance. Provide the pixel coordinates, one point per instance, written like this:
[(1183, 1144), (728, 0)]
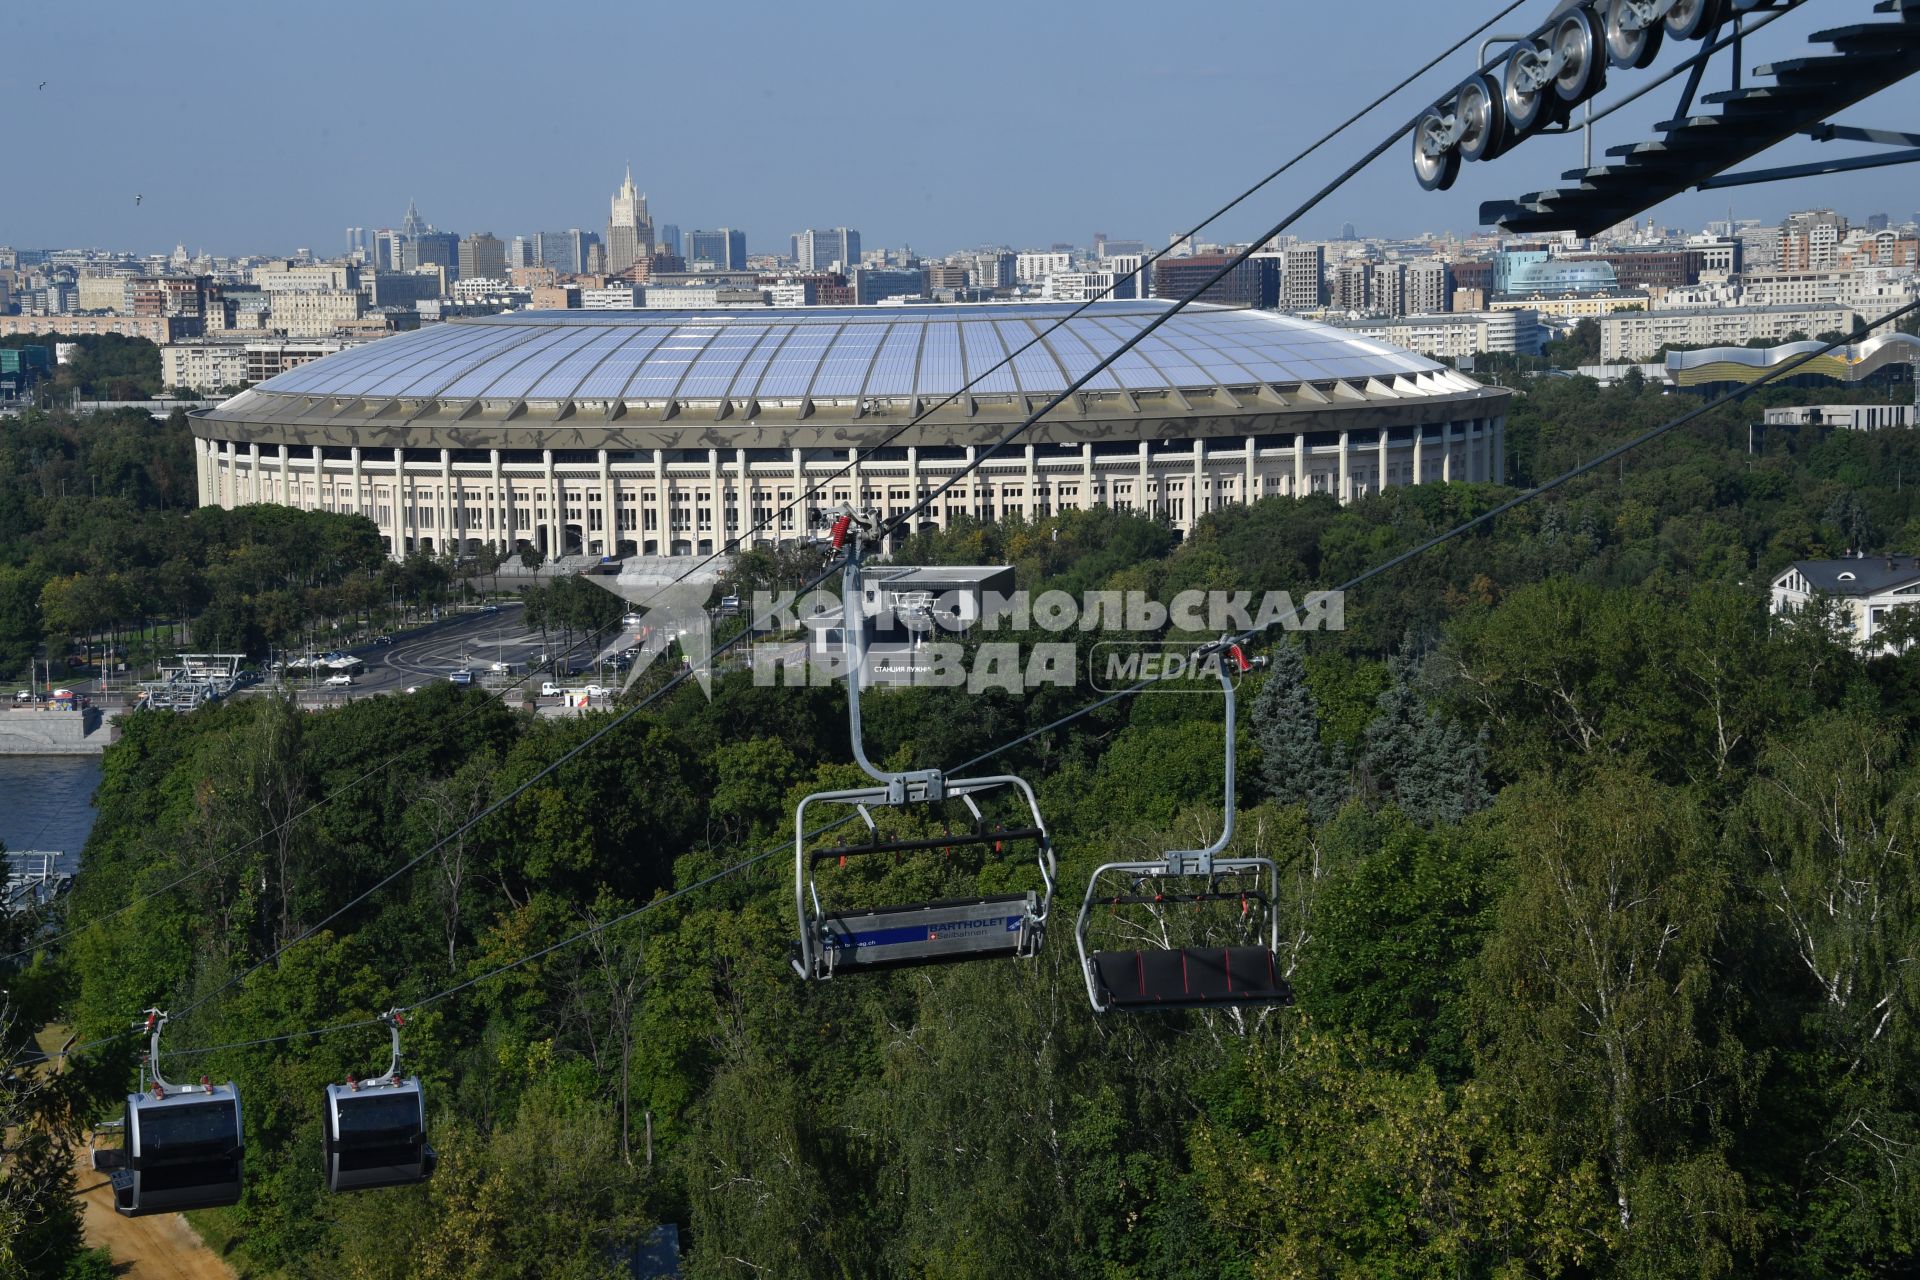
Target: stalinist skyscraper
[(629, 230)]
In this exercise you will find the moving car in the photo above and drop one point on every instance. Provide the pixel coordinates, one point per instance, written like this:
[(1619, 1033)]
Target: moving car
[(463, 676), (342, 680)]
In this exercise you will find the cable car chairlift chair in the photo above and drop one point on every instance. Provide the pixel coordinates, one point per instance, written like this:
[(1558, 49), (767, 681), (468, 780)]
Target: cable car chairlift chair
[(1177, 977), (834, 938), (182, 1144), (376, 1130)]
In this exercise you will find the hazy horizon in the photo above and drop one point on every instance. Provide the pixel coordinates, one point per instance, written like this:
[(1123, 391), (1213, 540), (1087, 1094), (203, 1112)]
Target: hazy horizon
[(255, 130)]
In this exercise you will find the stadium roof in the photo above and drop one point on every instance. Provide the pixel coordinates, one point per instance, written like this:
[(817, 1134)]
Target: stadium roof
[(835, 353)]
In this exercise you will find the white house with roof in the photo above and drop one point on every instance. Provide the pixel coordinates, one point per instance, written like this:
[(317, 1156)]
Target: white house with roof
[(1867, 588)]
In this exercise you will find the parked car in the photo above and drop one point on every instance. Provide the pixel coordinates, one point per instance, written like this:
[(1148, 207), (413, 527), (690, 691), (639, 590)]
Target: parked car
[(595, 691), (24, 695), (341, 681)]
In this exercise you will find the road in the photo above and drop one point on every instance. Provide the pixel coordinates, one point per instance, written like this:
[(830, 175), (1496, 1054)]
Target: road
[(160, 1247), (472, 641)]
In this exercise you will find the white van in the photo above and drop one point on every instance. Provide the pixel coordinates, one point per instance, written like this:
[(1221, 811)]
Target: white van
[(551, 690)]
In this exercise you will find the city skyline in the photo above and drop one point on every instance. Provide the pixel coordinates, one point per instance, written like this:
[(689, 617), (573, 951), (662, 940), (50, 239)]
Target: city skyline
[(921, 175)]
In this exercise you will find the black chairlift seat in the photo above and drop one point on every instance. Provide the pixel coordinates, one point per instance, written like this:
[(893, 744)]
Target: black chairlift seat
[(183, 1145), (375, 1131), (1190, 977)]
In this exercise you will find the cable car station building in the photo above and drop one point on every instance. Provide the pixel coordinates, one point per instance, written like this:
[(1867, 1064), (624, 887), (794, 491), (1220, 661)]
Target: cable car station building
[(672, 433)]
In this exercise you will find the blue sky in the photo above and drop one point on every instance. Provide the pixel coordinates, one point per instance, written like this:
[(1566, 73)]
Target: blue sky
[(260, 127)]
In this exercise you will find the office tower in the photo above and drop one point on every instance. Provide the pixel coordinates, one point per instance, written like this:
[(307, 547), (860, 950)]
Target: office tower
[(722, 250), (386, 249), (483, 254), (668, 240), (433, 248), (629, 229), (829, 249), (1306, 277)]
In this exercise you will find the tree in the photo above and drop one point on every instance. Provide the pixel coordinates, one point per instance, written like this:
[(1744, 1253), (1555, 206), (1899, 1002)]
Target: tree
[(1603, 1011), (1294, 765), (1433, 768)]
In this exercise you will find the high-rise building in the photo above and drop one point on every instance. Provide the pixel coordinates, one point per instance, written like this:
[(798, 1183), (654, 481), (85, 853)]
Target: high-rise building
[(871, 284), (993, 269), (1348, 285), (722, 250), (1387, 288), (1810, 241), (1035, 266), (564, 251), (667, 240), (827, 249), (1130, 272), (629, 229), (1429, 288), (1305, 278), (483, 254), (386, 250), (1176, 277)]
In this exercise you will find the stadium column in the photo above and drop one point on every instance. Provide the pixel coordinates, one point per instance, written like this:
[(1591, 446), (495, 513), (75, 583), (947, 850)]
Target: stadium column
[(396, 513), (609, 508), (1247, 495), (1299, 463), (913, 483), (716, 503), (556, 543), (359, 492), (1446, 452), (1196, 506), (973, 486), (499, 506), (1500, 450), (1088, 498), (1031, 486), (1419, 438), (253, 472), (803, 512), (743, 498), (663, 493), (1346, 469), (1140, 502), (449, 505), (1380, 467)]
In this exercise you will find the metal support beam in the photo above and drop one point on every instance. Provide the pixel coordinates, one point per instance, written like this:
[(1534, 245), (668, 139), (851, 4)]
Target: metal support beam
[(1813, 170), (1825, 132)]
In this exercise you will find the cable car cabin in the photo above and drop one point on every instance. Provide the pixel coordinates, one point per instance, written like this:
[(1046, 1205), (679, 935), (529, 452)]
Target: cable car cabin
[(1230, 960), (376, 1135), (836, 937), (183, 1151)]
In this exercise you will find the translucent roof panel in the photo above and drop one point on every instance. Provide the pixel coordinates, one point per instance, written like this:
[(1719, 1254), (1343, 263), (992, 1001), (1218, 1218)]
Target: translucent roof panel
[(929, 351), (898, 361), (790, 373), (1034, 365), (713, 372), (482, 379), (669, 362), (520, 379), (988, 368), (561, 379), (843, 372), (610, 377)]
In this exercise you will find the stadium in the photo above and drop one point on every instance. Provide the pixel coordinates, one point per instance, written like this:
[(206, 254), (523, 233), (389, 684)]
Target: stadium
[(673, 433)]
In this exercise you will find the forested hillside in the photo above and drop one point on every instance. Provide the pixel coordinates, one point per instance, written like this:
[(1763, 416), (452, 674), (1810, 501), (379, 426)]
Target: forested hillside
[(1598, 895)]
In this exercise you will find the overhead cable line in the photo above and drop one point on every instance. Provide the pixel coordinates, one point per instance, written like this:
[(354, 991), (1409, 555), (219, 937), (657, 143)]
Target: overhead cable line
[(1242, 638)]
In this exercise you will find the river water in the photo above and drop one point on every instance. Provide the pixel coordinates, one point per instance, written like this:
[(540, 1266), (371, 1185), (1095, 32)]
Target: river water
[(46, 802)]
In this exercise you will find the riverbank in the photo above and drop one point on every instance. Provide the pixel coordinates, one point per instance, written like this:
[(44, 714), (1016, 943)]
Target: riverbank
[(47, 730)]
